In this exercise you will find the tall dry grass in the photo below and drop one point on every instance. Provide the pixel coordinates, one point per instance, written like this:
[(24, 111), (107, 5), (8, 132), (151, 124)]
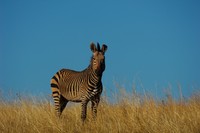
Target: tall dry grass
[(147, 115)]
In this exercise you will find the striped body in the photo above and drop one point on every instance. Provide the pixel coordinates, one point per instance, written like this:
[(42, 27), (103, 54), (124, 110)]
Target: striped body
[(84, 86)]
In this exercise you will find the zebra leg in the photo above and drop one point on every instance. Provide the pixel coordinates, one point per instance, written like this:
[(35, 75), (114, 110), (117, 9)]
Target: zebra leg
[(84, 110), (94, 106), (63, 102)]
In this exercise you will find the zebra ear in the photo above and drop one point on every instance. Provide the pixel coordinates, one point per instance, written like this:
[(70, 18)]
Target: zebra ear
[(93, 47), (104, 48), (98, 47)]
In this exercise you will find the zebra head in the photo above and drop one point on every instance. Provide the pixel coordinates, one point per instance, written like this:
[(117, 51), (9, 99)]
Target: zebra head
[(98, 58)]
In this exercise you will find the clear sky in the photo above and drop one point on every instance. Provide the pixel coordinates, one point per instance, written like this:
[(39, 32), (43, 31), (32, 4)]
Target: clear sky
[(152, 44)]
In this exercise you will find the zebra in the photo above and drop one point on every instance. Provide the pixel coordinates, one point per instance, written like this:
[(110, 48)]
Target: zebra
[(80, 86)]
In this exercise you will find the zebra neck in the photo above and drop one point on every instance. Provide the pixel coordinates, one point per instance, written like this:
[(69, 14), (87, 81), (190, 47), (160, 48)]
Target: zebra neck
[(94, 78)]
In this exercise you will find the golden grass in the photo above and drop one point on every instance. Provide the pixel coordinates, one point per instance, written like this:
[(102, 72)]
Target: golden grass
[(125, 116)]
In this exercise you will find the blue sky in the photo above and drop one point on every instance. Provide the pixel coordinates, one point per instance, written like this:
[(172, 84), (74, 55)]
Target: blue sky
[(152, 44)]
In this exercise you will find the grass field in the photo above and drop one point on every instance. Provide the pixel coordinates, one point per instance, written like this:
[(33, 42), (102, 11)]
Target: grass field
[(124, 116)]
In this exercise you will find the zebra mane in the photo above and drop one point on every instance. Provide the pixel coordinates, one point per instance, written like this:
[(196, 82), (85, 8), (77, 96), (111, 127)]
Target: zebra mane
[(98, 47)]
